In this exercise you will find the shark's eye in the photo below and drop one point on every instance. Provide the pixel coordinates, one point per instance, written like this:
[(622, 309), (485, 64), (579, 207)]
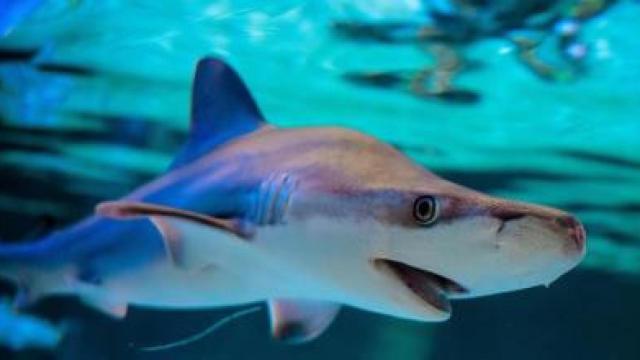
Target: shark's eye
[(425, 210)]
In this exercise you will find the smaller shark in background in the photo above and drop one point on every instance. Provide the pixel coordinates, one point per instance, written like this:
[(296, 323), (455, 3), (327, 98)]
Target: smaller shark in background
[(307, 219)]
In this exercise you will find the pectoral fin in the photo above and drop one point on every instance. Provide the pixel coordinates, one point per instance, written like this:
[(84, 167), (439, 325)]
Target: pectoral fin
[(183, 231), (299, 321)]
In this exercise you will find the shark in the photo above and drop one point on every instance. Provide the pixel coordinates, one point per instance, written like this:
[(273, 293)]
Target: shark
[(308, 219)]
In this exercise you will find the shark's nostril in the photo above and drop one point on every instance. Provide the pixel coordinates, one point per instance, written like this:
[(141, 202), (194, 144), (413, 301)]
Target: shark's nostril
[(567, 222)]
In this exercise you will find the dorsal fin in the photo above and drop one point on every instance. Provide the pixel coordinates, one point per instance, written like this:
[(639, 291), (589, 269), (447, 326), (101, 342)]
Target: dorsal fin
[(222, 108)]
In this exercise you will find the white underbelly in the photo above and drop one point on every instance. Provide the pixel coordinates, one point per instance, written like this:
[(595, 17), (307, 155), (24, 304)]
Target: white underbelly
[(320, 260)]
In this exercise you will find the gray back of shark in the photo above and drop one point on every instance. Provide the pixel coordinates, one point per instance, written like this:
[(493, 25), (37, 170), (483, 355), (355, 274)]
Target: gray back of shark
[(308, 219)]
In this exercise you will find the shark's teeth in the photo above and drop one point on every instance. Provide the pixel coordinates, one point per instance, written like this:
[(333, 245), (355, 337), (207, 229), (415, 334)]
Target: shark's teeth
[(430, 287)]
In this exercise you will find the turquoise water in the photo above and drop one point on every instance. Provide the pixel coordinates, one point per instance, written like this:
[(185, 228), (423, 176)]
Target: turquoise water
[(113, 116)]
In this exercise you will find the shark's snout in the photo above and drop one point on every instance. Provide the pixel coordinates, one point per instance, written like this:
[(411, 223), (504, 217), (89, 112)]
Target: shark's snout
[(567, 227), (576, 235), (490, 245)]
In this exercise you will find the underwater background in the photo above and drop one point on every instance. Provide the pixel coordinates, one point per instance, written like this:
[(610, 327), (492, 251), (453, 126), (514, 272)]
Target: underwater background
[(538, 104)]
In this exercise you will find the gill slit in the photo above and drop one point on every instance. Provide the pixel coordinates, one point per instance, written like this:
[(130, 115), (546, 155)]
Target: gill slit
[(273, 199)]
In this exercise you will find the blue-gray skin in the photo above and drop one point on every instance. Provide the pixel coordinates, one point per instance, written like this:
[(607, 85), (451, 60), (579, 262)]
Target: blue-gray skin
[(307, 219)]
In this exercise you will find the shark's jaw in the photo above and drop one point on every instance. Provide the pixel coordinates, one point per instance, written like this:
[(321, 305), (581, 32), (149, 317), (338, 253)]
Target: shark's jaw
[(471, 257), (432, 288)]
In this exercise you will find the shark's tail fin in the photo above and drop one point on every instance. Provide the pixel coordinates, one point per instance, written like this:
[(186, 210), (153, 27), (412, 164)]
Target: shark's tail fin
[(73, 260)]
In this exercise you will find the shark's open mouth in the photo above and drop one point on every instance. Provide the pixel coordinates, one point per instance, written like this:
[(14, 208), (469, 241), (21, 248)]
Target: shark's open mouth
[(430, 287)]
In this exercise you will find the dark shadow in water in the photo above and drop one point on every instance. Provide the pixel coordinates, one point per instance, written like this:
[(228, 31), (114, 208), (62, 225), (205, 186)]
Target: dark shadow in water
[(613, 234), (601, 158), (586, 315), (28, 56), (630, 207), (493, 180), (17, 55), (126, 130), (66, 69), (53, 188)]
